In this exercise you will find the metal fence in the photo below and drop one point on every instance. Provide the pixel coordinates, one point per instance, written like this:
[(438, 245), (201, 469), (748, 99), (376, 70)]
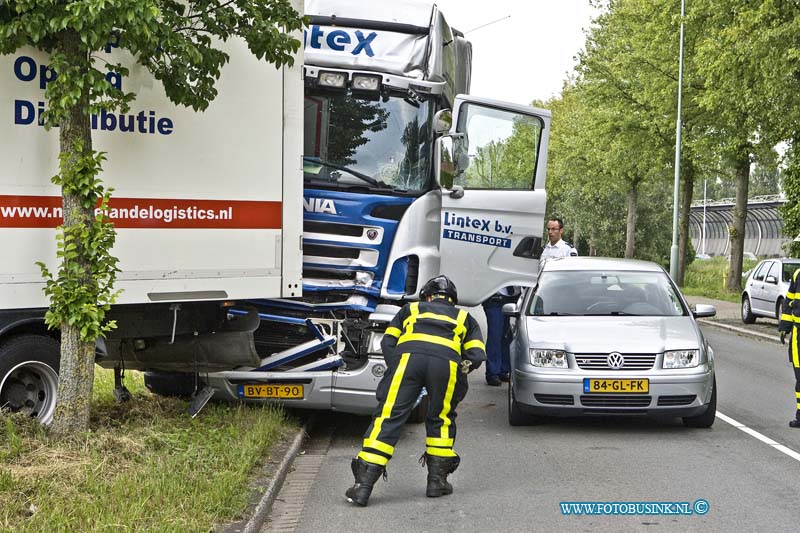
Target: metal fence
[(763, 236)]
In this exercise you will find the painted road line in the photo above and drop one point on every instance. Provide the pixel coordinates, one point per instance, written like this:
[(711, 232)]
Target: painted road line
[(763, 438)]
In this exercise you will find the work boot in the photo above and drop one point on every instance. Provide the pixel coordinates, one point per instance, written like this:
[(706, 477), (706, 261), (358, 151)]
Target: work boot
[(493, 381), (438, 470), (365, 474), (794, 423)]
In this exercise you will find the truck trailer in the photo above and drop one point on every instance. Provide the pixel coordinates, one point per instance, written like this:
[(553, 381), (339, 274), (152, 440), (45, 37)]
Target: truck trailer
[(266, 243)]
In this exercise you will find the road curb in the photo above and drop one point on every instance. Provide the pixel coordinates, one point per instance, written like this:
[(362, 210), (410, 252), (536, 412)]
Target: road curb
[(271, 493), (739, 330)]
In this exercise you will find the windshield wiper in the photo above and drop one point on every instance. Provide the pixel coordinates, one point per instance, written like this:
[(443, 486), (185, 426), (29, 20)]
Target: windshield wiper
[(369, 179)]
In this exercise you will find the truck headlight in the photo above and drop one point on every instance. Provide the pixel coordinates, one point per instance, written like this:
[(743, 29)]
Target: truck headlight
[(374, 343), (549, 358), (681, 359)]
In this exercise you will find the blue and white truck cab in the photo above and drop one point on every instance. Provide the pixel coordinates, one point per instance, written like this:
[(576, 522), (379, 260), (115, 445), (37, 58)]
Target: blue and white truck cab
[(405, 177)]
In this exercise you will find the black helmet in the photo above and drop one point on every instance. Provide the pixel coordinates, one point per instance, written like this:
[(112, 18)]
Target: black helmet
[(440, 285)]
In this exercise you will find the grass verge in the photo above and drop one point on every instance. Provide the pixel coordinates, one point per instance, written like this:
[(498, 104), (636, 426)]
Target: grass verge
[(707, 278), (144, 466)]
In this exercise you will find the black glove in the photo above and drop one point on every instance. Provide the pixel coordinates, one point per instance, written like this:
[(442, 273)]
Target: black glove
[(783, 337)]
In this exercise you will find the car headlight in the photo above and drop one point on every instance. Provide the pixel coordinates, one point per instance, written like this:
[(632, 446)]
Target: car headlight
[(549, 358), (681, 359)]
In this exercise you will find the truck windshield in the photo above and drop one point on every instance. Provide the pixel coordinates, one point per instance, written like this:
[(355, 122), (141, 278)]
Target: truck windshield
[(378, 144)]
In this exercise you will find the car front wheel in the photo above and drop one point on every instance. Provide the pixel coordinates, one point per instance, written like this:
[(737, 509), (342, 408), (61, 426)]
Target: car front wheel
[(705, 420), (747, 311), (778, 308)]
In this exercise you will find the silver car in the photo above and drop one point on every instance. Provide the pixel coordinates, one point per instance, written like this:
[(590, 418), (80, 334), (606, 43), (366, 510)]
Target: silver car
[(601, 336), (766, 288)]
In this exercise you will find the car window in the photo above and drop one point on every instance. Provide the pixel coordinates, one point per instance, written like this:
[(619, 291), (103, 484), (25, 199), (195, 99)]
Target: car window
[(773, 271), (605, 293), (762, 271), (788, 271)]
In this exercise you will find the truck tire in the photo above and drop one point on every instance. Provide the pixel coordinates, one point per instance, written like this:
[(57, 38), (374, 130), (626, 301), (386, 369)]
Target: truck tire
[(170, 384), (29, 375)]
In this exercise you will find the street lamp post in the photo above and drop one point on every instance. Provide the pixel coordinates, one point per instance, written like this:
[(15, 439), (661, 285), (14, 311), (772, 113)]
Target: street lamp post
[(673, 255)]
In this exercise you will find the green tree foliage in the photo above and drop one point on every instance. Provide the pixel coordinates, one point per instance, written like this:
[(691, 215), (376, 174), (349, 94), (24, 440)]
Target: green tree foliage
[(179, 43)]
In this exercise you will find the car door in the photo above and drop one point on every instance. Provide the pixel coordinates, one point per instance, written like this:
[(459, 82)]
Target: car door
[(492, 213), (757, 288), (770, 288)]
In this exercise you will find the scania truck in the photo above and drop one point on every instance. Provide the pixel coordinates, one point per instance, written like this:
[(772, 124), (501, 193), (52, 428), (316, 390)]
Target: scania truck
[(266, 243)]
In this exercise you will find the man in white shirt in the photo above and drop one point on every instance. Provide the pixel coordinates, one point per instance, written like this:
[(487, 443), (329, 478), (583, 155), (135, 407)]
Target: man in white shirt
[(557, 247)]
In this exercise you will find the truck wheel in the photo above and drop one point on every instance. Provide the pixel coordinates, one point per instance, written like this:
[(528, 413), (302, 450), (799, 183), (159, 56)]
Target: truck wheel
[(705, 420), (171, 384), (29, 375), (420, 412)]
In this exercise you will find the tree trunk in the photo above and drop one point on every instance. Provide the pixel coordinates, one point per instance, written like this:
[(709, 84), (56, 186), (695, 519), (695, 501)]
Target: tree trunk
[(630, 224), (687, 188), (742, 169), (76, 375)]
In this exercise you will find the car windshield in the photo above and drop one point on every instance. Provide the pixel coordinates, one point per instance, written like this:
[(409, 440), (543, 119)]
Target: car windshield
[(601, 293), (381, 143)]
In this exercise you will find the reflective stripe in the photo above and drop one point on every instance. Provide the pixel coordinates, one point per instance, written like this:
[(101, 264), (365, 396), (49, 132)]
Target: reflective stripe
[(391, 397), (791, 295), (461, 329), (433, 339), (380, 446), (448, 396), (787, 318), (795, 358), (477, 343), (441, 452), (435, 316), (373, 458), (392, 331), (797, 395), (433, 441), (408, 323)]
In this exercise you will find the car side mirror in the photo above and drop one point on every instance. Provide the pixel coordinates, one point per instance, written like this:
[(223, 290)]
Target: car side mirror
[(704, 310), (510, 309), (771, 279)]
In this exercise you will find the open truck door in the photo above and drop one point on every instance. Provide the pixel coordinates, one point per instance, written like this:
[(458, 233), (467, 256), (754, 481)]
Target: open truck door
[(491, 167)]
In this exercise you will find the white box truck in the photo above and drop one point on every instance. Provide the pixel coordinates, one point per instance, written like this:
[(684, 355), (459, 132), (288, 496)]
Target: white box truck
[(365, 169)]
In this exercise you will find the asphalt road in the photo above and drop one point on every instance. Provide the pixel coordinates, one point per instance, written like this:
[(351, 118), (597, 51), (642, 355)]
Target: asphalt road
[(513, 478)]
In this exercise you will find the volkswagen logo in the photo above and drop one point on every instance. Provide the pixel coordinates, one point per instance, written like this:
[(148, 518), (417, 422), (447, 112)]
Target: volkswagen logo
[(372, 234), (615, 360)]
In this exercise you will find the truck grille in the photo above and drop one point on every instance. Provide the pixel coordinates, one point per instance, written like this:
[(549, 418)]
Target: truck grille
[(599, 361)]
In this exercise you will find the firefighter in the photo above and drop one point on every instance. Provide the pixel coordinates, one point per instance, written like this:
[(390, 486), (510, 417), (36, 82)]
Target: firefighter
[(790, 319), (431, 344)]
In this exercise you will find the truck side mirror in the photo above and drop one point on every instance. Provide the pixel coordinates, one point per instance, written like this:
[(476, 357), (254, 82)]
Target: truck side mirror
[(510, 309), (442, 121)]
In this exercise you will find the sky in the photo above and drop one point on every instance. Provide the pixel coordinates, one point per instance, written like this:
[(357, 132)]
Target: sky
[(526, 56)]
